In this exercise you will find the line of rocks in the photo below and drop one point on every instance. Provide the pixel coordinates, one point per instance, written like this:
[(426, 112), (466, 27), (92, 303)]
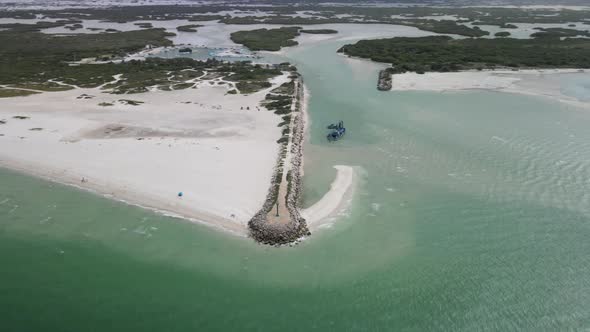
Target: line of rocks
[(294, 194), (385, 80), (278, 233)]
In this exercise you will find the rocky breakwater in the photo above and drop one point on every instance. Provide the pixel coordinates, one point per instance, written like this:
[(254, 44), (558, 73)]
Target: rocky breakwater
[(384, 82), (279, 222)]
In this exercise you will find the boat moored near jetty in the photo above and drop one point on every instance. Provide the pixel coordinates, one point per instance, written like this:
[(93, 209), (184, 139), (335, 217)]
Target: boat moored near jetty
[(337, 132)]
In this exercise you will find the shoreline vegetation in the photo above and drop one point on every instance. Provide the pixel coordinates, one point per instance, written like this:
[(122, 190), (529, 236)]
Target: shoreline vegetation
[(273, 39), (91, 61), (319, 31), (188, 28), (266, 39), (445, 54)]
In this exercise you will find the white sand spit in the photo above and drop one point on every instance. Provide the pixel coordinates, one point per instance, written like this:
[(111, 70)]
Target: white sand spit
[(334, 201)]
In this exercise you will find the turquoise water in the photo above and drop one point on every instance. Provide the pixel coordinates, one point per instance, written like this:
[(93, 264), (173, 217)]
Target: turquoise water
[(578, 86), (473, 213)]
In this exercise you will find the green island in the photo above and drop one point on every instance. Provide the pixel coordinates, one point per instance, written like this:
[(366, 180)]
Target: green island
[(7, 93), (188, 28), (74, 27), (144, 25), (273, 39), (502, 34), (266, 39), (508, 26), (318, 31), (442, 26), (559, 32), (444, 54)]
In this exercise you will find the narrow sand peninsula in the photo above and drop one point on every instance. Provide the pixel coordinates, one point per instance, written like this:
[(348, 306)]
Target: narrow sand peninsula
[(196, 141), (541, 82), (334, 201)]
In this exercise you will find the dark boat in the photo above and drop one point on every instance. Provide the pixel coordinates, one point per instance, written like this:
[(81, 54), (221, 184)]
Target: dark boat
[(337, 132)]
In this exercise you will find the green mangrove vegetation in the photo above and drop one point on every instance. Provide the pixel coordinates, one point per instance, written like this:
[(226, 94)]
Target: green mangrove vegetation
[(559, 32), (435, 19), (443, 53), (188, 28), (485, 15), (23, 62), (35, 27), (24, 66), (502, 34), (266, 39), (144, 25), (318, 31), (6, 93), (442, 26)]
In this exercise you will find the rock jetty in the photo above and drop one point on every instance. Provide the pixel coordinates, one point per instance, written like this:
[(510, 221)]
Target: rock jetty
[(279, 222), (385, 80)]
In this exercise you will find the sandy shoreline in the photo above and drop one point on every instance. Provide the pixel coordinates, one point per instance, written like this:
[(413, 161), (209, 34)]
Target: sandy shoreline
[(196, 141), (534, 82), (335, 201), (201, 142), (133, 199)]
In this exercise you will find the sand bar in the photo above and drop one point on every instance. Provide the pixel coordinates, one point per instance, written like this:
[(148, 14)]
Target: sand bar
[(334, 201), (550, 83)]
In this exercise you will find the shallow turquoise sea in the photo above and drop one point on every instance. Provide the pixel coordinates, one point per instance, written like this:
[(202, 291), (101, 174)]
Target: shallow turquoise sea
[(472, 214)]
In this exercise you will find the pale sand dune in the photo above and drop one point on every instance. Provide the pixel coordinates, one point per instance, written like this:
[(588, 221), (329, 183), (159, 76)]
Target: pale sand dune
[(543, 83), (334, 201), (219, 156)]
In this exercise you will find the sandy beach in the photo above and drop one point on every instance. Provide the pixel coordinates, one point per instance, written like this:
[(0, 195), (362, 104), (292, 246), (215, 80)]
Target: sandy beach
[(218, 150), (195, 141), (535, 82)]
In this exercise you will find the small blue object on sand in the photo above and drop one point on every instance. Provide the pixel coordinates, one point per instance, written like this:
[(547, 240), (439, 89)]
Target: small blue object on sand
[(180, 194)]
